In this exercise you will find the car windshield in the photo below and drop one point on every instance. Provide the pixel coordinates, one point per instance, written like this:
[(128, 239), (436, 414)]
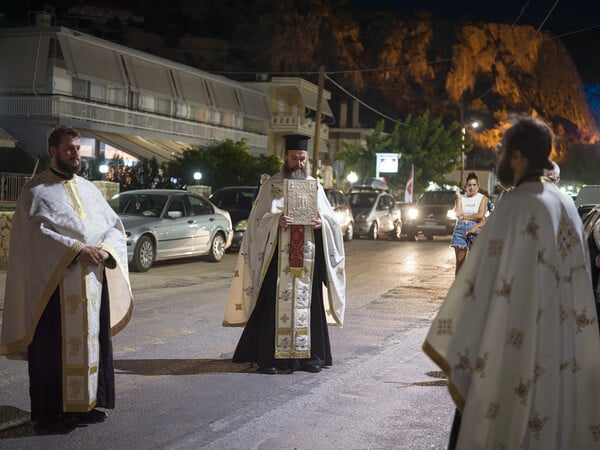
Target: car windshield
[(362, 199), (437, 198), (149, 205), (233, 199)]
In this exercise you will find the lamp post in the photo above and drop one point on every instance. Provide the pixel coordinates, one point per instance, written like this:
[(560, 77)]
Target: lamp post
[(474, 125), (197, 177)]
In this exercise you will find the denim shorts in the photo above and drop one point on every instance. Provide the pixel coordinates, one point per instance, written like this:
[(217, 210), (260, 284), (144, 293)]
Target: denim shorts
[(459, 238)]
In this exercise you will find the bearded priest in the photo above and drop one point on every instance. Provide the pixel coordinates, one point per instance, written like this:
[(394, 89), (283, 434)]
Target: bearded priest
[(289, 280)]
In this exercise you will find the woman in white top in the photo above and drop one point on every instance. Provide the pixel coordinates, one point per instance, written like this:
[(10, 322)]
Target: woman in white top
[(470, 212)]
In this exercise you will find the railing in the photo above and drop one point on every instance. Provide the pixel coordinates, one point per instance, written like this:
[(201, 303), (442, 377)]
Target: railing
[(11, 185), (282, 122), (119, 118)]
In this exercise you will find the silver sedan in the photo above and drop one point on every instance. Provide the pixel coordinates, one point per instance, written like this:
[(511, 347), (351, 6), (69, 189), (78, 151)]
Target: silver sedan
[(165, 224)]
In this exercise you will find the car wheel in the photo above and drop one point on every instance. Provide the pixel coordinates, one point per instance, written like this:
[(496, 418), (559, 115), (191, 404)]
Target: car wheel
[(217, 248), (349, 232), (374, 231), (398, 230), (411, 237), (143, 255)]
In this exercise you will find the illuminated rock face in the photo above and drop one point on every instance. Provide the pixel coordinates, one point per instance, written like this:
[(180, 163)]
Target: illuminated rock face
[(492, 69)]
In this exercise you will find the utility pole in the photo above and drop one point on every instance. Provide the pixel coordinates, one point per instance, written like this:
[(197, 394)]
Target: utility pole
[(316, 143)]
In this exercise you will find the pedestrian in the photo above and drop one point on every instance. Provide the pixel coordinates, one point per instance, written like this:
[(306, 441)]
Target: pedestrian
[(554, 173), (285, 311), (67, 289), (470, 210), (517, 334)]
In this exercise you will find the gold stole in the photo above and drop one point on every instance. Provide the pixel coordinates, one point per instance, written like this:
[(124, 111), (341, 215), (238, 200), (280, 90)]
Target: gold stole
[(80, 296), (294, 289)]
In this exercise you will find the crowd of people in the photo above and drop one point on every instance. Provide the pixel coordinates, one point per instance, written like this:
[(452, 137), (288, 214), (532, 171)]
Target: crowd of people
[(517, 334)]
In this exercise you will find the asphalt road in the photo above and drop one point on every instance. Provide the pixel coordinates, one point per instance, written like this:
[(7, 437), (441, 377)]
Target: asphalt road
[(177, 387)]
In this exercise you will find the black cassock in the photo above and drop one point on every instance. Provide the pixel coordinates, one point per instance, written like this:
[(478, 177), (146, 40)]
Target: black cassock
[(45, 362), (257, 343)]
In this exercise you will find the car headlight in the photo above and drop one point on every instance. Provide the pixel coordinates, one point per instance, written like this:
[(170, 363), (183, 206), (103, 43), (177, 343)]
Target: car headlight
[(413, 213), (451, 214), (241, 225)]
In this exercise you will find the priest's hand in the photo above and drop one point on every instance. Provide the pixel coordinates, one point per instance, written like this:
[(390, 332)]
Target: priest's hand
[(92, 256), (316, 223), (285, 221)]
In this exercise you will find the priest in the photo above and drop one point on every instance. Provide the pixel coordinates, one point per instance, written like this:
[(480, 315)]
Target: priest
[(67, 289), (289, 280)]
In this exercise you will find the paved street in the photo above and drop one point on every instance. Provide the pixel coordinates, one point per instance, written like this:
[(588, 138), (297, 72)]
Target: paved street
[(177, 387)]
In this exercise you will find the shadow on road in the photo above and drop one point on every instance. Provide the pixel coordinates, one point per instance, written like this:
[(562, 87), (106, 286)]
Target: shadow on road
[(155, 367), (16, 423)]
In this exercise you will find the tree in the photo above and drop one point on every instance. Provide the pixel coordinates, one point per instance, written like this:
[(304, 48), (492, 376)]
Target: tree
[(226, 163), (362, 160), (434, 149)]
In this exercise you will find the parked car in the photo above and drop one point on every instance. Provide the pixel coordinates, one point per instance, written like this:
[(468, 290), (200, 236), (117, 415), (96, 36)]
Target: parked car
[(432, 215), (237, 200), (343, 212), (375, 212), (587, 197), (164, 224)]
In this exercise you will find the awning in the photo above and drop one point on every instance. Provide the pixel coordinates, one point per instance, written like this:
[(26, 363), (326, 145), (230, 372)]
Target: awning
[(149, 76), (310, 101), (138, 146), (87, 59), (223, 96), (254, 104), (191, 87), (6, 140), (24, 61)]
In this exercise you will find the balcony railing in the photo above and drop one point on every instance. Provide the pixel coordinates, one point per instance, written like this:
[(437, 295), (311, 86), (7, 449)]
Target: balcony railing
[(11, 185), (120, 118), (295, 123)]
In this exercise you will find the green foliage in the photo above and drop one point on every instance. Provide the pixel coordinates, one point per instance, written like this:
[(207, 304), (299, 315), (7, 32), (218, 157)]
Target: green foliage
[(582, 165), (433, 149), (226, 163)]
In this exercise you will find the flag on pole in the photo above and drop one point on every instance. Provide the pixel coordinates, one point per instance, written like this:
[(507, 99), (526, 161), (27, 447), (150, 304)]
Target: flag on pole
[(408, 192)]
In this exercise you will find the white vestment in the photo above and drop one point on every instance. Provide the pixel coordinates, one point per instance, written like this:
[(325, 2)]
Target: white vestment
[(54, 219), (517, 334), (261, 238)]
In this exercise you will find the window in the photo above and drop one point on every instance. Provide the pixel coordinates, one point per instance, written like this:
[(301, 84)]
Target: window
[(198, 206)]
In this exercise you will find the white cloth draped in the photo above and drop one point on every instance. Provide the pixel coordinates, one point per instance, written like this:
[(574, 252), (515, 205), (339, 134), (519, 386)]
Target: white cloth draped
[(54, 219), (258, 244), (517, 334)]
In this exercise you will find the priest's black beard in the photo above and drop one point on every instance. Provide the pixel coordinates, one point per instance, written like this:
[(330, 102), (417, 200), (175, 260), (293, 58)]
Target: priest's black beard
[(294, 174)]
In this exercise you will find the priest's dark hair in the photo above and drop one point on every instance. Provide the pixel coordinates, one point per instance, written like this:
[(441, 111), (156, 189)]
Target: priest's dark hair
[(58, 132), (533, 138)]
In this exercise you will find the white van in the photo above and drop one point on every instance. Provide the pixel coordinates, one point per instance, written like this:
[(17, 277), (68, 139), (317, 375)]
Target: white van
[(587, 198)]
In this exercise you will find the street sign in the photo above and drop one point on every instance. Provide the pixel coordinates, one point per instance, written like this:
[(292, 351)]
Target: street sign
[(387, 163)]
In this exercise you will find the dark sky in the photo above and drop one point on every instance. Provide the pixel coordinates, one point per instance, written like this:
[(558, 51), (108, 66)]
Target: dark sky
[(566, 14)]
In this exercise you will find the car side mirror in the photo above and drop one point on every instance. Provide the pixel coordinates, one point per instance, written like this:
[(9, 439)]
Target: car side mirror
[(174, 214)]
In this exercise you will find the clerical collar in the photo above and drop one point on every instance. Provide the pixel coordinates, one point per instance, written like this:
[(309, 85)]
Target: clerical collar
[(536, 177), (64, 176)]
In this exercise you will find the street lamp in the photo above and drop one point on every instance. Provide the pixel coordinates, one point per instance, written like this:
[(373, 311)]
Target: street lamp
[(474, 125), (197, 177), (352, 177)]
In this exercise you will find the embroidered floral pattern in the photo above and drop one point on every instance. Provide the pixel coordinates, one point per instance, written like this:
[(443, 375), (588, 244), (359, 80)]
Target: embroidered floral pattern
[(566, 237), (562, 312), (444, 326), (239, 307), (532, 228), (575, 367), (74, 345), (495, 247), (285, 295), (536, 424), (470, 289), (505, 290), (582, 320), (492, 411), (595, 430), (515, 338), (285, 318), (73, 302), (465, 363), (538, 372), (522, 391)]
